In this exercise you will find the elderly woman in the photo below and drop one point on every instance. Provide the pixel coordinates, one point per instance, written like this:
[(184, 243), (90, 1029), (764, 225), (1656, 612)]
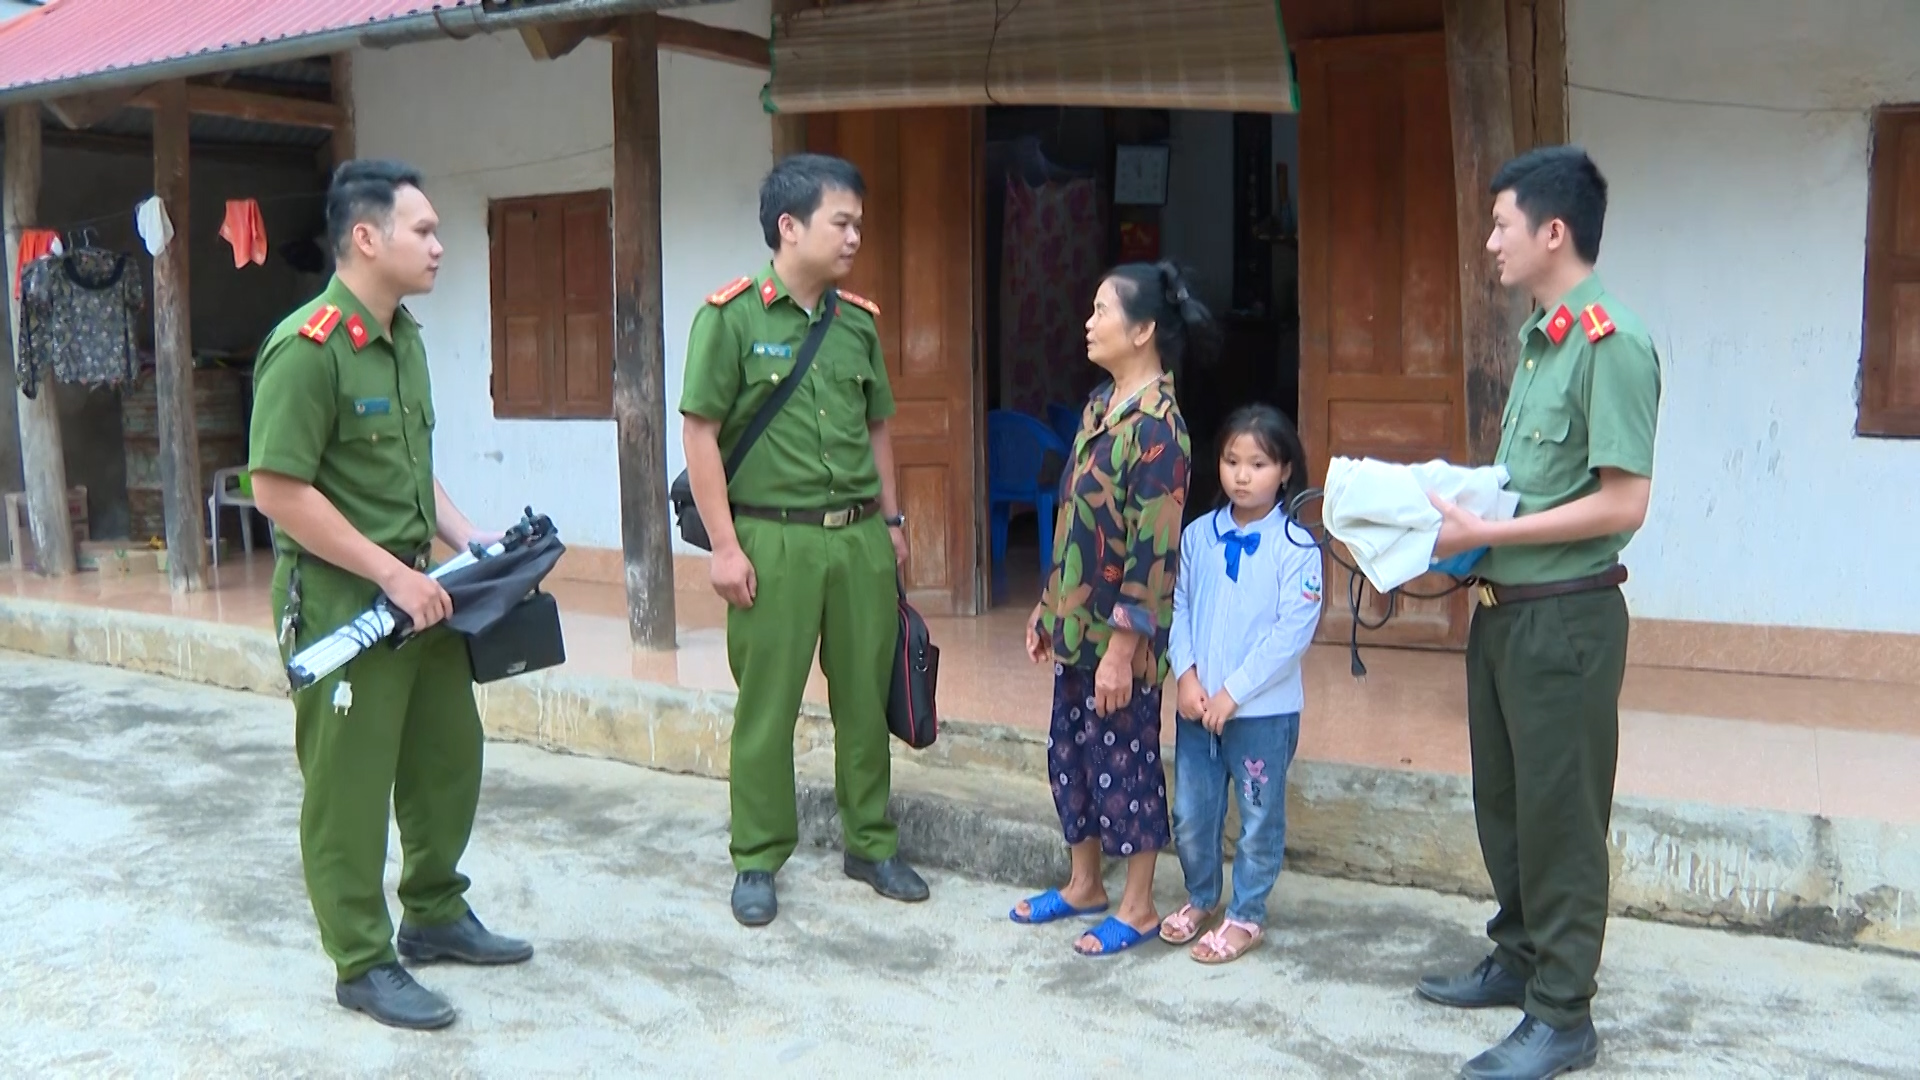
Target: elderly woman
[(1104, 619)]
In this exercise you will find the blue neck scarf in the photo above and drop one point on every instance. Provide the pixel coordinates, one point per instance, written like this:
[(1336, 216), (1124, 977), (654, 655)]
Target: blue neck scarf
[(1236, 543)]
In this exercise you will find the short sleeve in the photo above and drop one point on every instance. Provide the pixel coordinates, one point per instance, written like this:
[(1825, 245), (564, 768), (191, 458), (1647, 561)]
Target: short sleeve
[(1624, 405), (294, 407), (880, 403), (712, 380)]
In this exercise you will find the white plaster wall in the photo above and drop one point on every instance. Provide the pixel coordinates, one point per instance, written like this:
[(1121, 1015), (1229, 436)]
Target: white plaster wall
[(483, 121), (1738, 234)]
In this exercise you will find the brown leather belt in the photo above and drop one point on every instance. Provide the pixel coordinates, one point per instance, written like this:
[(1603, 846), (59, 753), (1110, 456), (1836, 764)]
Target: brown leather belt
[(1491, 595), (826, 519)]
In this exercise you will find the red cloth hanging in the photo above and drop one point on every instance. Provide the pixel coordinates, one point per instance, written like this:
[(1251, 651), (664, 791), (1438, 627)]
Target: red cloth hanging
[(246, 230), (33, 244)]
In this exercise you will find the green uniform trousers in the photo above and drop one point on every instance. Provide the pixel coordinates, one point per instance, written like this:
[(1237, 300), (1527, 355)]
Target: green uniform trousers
[(412, 736), (835, 589), (1543, 710)]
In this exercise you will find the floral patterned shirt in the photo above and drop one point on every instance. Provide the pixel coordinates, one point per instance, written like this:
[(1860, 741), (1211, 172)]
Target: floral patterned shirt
[(1116, 544)]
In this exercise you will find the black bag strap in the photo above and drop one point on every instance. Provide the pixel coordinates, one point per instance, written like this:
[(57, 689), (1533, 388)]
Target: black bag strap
[(772, 406)]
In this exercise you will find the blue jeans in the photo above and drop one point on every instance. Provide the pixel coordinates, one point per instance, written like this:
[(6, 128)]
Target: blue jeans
[(1252, 755)]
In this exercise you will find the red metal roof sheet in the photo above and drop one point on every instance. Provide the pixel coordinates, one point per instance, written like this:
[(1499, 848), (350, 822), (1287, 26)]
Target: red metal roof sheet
[(69, 39)]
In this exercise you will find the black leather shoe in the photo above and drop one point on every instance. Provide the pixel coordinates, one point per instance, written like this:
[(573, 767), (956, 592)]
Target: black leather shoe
[(466, 941), (754, 901), (1537, 1050), (388, 994), (1484, 987), (891, 878)]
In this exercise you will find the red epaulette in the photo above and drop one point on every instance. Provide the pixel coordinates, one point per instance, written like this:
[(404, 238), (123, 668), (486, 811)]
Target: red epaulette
[(1558, 325), (320, 324), (1596, 322), (733, 289), (857, 300)]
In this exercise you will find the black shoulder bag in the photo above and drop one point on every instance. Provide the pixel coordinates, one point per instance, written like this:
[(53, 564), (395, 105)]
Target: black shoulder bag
[(692, 529), (912, 714)]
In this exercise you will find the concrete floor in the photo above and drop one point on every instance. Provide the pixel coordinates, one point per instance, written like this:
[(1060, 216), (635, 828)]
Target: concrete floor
[(153, 923)]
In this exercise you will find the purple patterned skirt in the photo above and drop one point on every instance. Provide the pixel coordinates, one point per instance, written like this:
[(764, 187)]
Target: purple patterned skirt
[(1107, 776)]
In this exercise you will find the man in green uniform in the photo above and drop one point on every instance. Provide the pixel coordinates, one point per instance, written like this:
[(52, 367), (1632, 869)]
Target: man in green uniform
[(342, 463), (807, 537), (1548, 646)]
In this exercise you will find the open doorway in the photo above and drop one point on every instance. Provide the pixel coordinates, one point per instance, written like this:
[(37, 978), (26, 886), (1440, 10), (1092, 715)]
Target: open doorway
[(1069, 192)]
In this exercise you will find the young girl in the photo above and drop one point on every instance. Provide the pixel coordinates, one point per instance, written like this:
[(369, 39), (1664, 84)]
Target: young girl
[(1245, 607)]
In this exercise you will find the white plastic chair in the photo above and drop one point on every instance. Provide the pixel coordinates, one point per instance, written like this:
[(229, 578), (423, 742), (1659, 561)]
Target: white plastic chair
[(226, 492)]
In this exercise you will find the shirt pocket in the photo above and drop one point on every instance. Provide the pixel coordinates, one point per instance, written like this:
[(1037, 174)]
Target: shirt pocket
[(1549, 450)]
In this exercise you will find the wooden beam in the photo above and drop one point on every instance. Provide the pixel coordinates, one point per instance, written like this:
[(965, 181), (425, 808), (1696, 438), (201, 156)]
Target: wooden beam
[(1480, 103), (42, 455), (551, 41), (264, 154), (639, 341), (342, 90), (180, 494), (715, 43), (789, 129), (1537, 62), (247, 105), (85, 110)]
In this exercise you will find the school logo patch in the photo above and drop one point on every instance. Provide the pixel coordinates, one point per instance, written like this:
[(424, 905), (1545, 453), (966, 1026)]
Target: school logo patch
[(1310, 586)]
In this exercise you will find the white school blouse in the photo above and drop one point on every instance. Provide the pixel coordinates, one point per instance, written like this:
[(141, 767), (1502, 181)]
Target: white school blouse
[(1246, 635)]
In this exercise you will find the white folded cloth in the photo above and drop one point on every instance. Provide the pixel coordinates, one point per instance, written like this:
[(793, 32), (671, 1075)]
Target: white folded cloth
[(1380, 510)]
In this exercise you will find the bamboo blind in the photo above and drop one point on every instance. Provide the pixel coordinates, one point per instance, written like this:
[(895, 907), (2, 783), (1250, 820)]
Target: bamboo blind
[(891, 54)]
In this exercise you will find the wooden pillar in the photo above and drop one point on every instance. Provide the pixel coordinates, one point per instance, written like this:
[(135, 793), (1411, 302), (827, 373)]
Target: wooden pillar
[(41, 455), (1480, 104), (1537, 63), (180, 492), (342, 142), (639, 340), (11, 477)]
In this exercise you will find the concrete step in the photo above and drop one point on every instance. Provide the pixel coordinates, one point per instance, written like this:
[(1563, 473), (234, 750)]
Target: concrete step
[(978, 800)]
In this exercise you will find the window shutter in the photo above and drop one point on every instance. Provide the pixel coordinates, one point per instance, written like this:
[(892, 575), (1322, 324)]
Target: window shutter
[(552, 289), (1890, 359)]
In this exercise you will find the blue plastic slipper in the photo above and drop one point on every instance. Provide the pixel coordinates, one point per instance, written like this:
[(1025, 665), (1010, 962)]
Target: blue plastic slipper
[(1116, 936), (1050, 906)]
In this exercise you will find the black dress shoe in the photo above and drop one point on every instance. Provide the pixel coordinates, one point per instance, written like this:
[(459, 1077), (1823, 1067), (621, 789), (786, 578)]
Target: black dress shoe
[(754, 901), (1537, 1050), (1484, 987), (891, 878), (388, 994), (466, 941)]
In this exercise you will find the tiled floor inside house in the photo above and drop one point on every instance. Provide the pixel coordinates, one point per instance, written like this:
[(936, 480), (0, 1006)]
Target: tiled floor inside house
[(1838, 748)]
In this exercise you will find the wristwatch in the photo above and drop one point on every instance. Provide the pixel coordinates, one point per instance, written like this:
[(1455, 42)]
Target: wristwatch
[(897, 521)]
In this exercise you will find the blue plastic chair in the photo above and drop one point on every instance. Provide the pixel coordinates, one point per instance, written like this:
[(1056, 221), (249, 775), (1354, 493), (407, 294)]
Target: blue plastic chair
[(1065, 420), (1017, 447)]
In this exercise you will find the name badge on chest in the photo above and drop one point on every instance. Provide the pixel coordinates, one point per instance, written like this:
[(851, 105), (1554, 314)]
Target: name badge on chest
[(778, 352), (377, 406)]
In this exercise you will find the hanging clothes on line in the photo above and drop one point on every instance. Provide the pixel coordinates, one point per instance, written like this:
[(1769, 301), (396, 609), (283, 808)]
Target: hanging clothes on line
[(77, 319), (34, 243), (246, 230), (156, 228)]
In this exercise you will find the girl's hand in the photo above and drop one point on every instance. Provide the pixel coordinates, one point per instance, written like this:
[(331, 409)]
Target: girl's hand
[(1218, 711), (1191, 697), (1113, 679), (1039, 645)]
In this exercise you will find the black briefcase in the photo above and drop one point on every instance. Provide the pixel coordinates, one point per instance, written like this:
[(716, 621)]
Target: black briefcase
[(912, 715), (526, 639)]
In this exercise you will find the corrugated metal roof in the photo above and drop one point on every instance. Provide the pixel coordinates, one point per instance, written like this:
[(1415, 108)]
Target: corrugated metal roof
[(68, 39)]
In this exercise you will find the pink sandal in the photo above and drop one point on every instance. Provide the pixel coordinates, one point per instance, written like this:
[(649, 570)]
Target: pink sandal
[(1184, 925), (1216, 949)]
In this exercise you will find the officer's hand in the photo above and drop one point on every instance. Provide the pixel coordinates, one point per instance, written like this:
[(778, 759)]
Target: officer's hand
[(899, 537), (421, 597), (1459, 529), (733, 578)]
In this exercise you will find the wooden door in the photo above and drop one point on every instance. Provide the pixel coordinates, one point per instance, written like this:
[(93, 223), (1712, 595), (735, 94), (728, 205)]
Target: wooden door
[(1380, 359), (917, 262)]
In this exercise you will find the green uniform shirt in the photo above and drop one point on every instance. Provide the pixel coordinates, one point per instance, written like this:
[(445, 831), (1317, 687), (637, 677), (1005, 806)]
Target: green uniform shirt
[(817, 452), (1577, 405), (345, 406)]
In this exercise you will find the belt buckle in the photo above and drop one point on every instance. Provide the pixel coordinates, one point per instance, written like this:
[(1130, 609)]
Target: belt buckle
[(1484, 592), (837, 519)]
